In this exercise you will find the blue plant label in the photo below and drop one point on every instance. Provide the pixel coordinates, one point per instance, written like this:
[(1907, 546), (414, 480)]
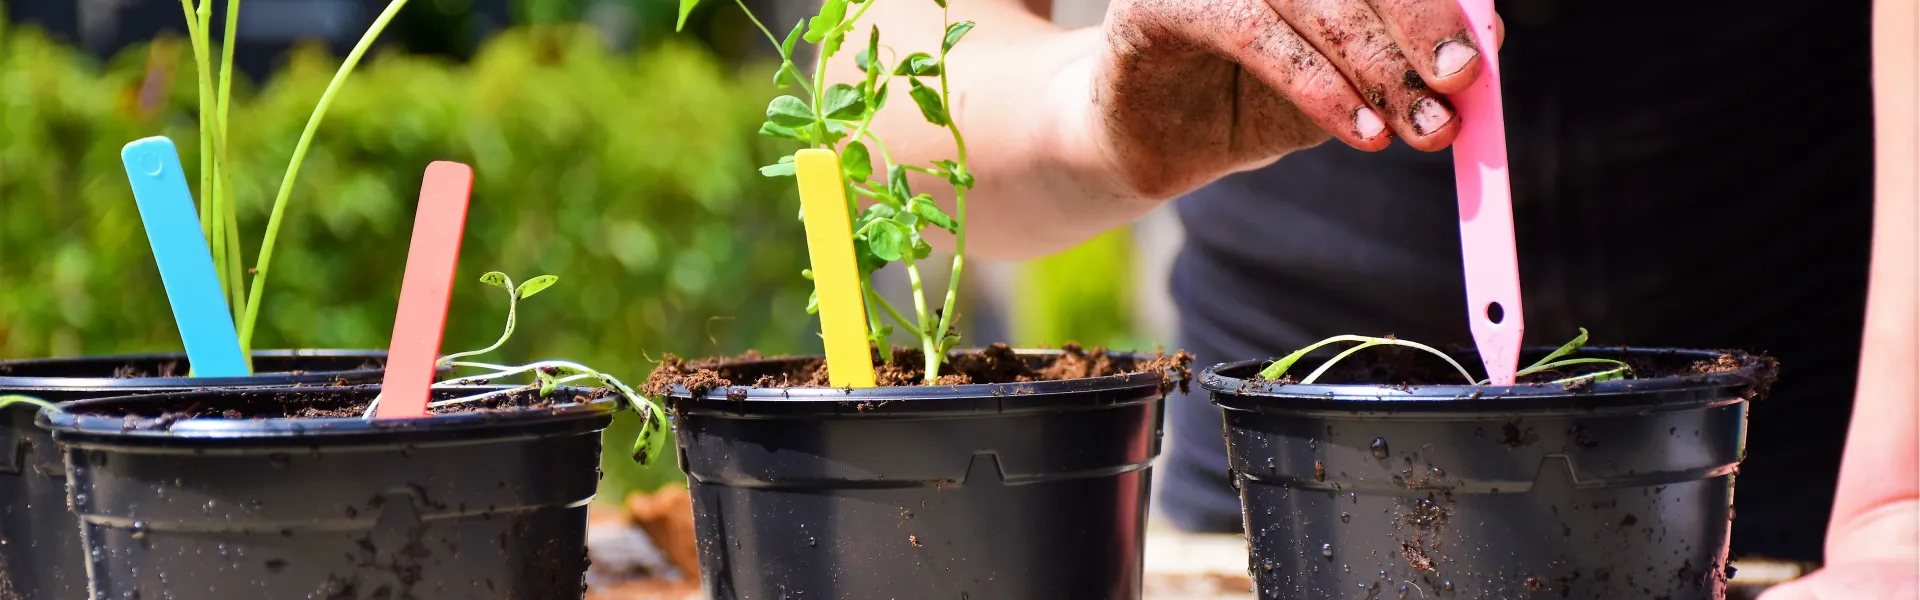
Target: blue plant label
[(186, 264)]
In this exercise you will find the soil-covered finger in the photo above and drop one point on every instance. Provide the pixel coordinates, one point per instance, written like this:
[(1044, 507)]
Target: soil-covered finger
[(1435, 36), (1278, 56), (1356, 41)]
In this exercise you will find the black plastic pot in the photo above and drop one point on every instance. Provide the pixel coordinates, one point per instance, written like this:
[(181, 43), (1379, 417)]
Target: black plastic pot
[(485, 504), (1620, 489), (41, 557), (1004, 492)]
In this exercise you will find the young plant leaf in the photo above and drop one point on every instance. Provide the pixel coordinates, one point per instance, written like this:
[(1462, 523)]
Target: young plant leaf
[(954, 33), (813, 301), (842, 101), (831, 13), (918, 64), (547, 382), (942, 3), (929, 101), (788, 111), (686, 8), (1570, 347), (897, 183), (806, 274), (497, 279), (855, 162), (956, 174), (888, 239), (863, 255), (533, 286), (872, 53), (771, 129), (792, 41), (879, 100), (784, 168), (923, 206), (786, 76), (921, 249)]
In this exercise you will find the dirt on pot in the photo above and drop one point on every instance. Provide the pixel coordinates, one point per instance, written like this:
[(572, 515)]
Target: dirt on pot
[(313, 404), (996, 364)]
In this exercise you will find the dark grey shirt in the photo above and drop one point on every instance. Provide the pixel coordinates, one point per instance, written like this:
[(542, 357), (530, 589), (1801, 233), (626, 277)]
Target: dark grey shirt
[(1700, 180)]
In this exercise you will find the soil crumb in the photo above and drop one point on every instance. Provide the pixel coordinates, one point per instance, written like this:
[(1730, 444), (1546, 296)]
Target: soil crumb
[(995, 364)]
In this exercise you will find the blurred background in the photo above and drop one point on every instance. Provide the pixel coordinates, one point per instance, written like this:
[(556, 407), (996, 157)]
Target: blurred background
[(609, 151)]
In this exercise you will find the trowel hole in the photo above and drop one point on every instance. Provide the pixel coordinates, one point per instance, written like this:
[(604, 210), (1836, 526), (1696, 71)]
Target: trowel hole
[(1495, 313)]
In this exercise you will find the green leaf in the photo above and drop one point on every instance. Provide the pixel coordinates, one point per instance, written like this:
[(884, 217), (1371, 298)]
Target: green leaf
[(929, 101), (918, 64), (786, 76), (954, 33), (772, 129), (871, 53), (856, 162), (863, 60), (921, 249), (888, 239), (547, 382), (813, 301), (842, 101), (947, 343), (879, 100), (806, 274), (793, 40), (686, 8), (956, 174), (942, 3), (784, 168), (1565, 349), (788, 111), (923, 206), (831, 13), (533, 286), (864, 256), (497, 279), (897, 183)]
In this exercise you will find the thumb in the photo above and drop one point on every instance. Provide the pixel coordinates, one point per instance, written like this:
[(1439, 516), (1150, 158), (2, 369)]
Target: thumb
[(1499, 32)]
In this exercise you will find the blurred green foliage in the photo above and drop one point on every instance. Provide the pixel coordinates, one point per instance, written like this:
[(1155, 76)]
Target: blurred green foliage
[(632, 176), (1084, 294)]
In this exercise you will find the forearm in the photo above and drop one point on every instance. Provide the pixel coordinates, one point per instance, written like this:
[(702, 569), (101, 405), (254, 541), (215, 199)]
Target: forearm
[(1020, 89), (1877, 507)]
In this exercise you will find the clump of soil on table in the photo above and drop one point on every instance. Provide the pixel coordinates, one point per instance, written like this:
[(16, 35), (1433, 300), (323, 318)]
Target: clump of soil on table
[(320, 403), (1406, 367), (996, 364)]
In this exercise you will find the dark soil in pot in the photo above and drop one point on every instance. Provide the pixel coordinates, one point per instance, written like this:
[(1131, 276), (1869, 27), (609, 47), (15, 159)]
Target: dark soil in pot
[(41, 557), (1390, 479), (1027, 481), (288, 493)]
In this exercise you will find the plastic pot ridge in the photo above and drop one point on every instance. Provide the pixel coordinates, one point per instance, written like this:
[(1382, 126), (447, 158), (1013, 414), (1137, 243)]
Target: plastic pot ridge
[(1620, 489)]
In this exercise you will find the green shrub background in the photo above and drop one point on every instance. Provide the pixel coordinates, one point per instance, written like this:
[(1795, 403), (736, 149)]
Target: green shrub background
[(631, 175)]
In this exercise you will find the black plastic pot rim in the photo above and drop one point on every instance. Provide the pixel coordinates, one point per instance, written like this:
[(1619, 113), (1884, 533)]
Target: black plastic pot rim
[(921, 400), (26, 384), (72, 424), (1235, 387)]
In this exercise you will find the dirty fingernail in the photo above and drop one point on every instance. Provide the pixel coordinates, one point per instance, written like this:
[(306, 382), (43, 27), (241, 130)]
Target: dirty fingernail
[(1368, 123), (1452, 56), (1429, 116)]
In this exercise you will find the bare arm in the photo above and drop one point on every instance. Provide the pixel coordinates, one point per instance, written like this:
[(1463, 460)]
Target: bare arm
[(1873, 546), (1877, 511), (1073, 132)]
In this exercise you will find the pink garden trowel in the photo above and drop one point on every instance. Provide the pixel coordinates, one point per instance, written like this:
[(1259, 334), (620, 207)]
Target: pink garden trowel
[(1486, 208)]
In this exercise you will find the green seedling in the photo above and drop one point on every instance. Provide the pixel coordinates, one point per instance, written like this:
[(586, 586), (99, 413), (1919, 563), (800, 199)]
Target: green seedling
[(10, 400), (218, 207), (1553, 360), (547, 375), (839, 117)]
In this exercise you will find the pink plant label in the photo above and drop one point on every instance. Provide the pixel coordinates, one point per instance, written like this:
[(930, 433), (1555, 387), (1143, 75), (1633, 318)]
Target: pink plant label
[(425, 291), (1494, 311)]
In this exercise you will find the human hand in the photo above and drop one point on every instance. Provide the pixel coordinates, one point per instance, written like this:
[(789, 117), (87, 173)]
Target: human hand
[(1888, 580), (1189, 90)]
